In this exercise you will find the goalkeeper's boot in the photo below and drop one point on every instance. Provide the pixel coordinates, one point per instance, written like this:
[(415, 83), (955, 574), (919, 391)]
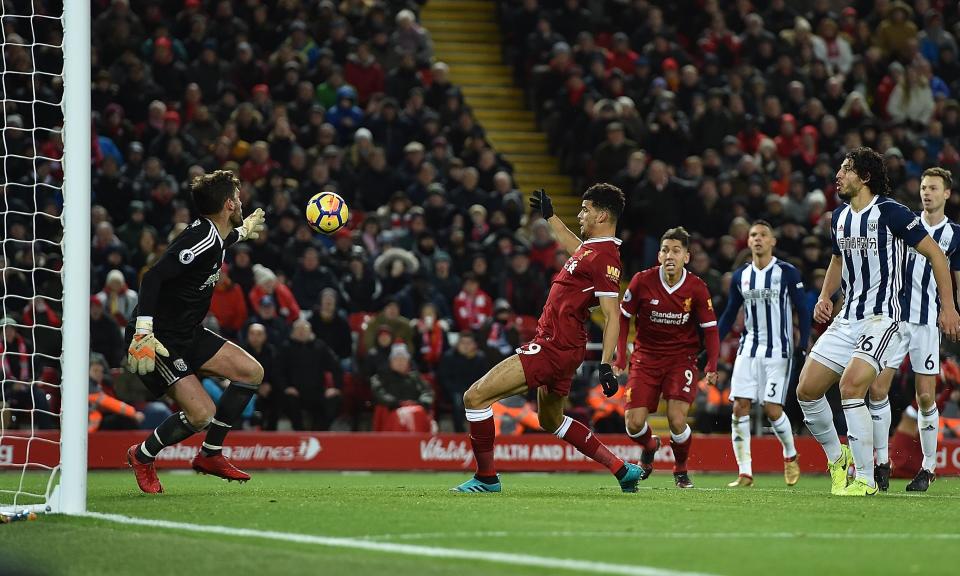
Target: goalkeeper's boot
[(218, 465), (646, 458), (881, 475), (629, 481), (474, 485), (838, 470), (146, 473), (859, 487), (742, 481), (921, 481), (682, 480), (791, 470)]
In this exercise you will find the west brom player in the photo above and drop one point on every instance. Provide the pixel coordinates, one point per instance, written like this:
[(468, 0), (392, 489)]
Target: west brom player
[(169, 349), (920, 336), (869, 232), (769, 289), (548, 363), (672, 307)]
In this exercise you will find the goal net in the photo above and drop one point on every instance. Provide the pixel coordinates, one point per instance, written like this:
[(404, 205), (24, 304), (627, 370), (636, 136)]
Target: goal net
[(44, 263)]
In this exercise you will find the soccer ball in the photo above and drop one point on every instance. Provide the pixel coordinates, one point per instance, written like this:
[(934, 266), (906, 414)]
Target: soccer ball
[(327, 212)]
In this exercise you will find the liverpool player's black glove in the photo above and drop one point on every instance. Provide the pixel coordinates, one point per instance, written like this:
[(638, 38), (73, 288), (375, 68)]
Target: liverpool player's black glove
[(608, 381), (541, 203)]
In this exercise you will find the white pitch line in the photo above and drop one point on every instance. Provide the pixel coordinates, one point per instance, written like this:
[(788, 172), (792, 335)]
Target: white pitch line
[(405, 549), (704, 535)]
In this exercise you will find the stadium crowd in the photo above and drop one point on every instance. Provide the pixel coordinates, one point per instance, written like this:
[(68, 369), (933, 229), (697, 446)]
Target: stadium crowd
[(706, 114)]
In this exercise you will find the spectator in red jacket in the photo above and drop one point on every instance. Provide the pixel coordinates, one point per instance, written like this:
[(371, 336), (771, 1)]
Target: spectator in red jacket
[(229, 306), (259, 164), (788, 141), (472, 307), (364, 73), (267, 284)]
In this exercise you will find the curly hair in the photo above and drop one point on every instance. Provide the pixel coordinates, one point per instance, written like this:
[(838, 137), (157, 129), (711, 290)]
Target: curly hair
[(606, 197), (868, 164), (211, 191)]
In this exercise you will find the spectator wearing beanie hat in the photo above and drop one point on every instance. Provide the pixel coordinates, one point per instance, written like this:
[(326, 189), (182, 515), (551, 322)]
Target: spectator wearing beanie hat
[(118, 299), (267, 284)]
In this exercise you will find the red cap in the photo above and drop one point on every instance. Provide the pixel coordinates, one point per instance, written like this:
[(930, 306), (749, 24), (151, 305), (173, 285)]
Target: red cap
[(788, 118), (163, 41), (261, 88), (670, 64), (849, 11), (171, 116)]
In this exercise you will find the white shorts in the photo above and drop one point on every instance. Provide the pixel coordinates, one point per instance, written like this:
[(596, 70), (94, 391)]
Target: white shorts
[(873, 339), (922, 342), (763, 380)]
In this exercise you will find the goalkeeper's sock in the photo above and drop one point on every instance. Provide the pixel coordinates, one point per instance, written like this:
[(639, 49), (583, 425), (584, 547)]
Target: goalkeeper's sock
[(740, 436), (588, 444), (880, 416), (235, 398), (680, 443), (483, 431), (176, 428)]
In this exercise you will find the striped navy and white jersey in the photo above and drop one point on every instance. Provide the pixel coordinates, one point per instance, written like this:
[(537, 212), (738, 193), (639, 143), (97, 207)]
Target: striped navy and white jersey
[(921, 301), (767, 295), (872, 246)]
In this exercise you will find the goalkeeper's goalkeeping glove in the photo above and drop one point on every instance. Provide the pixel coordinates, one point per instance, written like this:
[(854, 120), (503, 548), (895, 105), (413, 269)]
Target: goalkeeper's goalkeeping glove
[(142, 354), (252, 226)]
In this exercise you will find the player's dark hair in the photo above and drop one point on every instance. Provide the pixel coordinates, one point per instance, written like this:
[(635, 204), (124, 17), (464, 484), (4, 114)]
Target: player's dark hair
[(606, 197), (211, 191), (870, 167), (941, 173), (761, 222), (679, 233)]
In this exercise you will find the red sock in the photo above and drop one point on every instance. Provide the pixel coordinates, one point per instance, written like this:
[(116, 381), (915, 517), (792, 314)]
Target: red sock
[(646, 439), (680, 452), (588, 444), (482, 435)]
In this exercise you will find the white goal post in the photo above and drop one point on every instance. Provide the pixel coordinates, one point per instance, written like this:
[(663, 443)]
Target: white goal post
[(28, 482)]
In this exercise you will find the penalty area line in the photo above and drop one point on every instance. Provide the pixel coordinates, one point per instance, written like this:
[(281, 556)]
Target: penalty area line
[(404, 549)]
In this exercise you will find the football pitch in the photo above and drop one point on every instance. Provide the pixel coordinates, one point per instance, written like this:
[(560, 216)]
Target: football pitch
[(407, 523)]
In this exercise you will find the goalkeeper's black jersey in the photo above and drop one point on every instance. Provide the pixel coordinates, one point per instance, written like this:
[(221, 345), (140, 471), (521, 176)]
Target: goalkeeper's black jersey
[(177, 290)]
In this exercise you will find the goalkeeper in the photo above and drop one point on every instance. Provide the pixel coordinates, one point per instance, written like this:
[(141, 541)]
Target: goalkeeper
[(168, 348)]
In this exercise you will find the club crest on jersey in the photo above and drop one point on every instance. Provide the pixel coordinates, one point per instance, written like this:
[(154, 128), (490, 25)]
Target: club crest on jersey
[(872, 225), (180, 365), (186, 256)]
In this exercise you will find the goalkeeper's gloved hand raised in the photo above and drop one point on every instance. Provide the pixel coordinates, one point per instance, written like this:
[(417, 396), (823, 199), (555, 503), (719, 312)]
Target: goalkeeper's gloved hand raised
[(542, 203), (252, 226), (142, 354), (608, 381)]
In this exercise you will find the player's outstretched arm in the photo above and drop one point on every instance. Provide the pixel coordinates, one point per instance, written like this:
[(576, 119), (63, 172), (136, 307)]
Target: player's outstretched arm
[(252, 226), (795, 289), (949, 318), (541, 203)]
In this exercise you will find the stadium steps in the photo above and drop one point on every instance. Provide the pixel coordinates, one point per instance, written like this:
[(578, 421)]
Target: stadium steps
[(467, 37)]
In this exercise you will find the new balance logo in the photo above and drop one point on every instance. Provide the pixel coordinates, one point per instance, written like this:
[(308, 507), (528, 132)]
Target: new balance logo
[(928, 428), (654, 301)]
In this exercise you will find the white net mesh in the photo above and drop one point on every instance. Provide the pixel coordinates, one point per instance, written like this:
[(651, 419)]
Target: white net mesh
[(31, 292)]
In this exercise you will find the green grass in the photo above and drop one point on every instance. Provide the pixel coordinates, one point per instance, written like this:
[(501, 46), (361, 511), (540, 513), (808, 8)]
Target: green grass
[(714, 530)]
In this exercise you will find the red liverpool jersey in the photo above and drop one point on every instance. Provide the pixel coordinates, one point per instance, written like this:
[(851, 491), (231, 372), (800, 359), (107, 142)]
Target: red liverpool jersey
[(592, 271), (668, 318)]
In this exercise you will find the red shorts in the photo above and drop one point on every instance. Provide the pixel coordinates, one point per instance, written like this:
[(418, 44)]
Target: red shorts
[(675, 378), (546, 365)]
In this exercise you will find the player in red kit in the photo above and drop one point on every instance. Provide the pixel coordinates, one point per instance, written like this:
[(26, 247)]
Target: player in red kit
[(671, 307), (547, 363)]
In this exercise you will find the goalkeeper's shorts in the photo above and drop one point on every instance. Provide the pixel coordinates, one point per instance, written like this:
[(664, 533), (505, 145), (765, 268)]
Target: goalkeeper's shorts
[(187, 355)]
